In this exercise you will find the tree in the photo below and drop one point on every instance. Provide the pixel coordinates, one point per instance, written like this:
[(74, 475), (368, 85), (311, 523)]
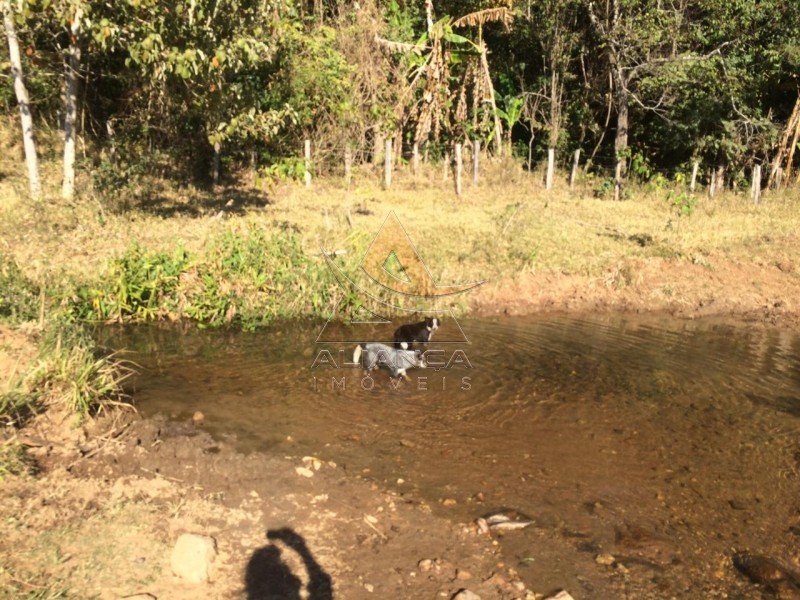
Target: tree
[(638, 40), (553, 25), (21, 91), (71, 75)]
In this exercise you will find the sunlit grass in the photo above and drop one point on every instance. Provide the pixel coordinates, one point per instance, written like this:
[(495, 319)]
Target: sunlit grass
[(505, 227)]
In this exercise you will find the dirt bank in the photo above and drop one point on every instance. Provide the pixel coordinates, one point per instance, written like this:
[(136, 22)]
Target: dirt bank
[(746, 292), (111, 497)]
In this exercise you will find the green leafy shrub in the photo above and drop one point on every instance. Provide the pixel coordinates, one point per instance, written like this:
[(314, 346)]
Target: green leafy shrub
[(138, 286), (252, 278), (683, 203)]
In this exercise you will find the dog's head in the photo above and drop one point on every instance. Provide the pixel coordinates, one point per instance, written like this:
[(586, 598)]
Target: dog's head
[(432, 323)]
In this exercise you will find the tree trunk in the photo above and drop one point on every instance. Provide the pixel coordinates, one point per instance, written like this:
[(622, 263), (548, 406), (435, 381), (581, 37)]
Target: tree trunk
[(70, 113), (621, 139), (21, 91), (387, 164), (498, 129), (377, 146)]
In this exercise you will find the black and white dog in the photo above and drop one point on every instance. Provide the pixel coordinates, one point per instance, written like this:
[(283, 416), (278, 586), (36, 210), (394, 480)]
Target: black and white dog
[(373, 355), (407, 335)]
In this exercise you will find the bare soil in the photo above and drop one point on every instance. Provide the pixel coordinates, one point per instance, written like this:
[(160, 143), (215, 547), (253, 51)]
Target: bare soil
[(111, 497), (745, 292)]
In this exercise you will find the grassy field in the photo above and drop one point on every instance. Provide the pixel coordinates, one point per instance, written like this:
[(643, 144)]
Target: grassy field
[(180, 252)]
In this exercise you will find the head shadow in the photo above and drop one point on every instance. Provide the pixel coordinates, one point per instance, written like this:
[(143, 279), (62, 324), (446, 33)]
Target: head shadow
[(269, 576)]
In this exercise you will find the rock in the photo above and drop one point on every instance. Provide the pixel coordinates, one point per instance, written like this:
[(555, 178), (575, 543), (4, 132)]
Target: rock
[(605, 559), (198, 417), (140, 597), (465, 594), (425, 565), (769, 573), (482, 525), (507, 520), (304, 471), (562, 595), (463, 575), (192, 557)]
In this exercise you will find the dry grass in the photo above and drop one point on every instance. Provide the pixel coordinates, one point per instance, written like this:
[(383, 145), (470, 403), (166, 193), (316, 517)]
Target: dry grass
[(506, 225)]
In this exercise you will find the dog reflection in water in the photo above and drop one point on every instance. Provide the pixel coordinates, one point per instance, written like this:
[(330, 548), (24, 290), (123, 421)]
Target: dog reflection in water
[(374, 355)]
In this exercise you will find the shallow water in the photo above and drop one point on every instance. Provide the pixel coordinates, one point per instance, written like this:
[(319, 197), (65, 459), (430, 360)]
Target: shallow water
[(668, 444)]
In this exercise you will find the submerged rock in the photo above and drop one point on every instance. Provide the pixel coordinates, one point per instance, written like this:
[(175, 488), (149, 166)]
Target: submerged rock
[(505, 520), (769, 573), (465, 595), (562, 595)]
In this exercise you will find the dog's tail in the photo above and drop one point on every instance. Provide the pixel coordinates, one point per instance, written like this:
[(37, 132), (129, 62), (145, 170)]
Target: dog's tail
[(357, 355)]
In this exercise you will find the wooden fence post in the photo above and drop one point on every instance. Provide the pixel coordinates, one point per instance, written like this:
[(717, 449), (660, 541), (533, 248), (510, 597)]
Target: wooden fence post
[(551, 167), (695, 167), (215, 166), (720, 178), (459, 168), (755, 190), (387, 164), (476, 157), (348, 164), (307, 163), (712, 184), (574, 174), (415, 159)]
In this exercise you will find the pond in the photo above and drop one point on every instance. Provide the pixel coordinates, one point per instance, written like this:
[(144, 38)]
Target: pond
[(668, 444)]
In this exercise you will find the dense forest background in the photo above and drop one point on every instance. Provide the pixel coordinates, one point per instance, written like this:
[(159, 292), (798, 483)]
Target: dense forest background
[(198, 89)]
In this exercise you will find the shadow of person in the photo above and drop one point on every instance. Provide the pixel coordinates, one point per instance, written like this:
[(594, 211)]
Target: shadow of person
[(268, 577)]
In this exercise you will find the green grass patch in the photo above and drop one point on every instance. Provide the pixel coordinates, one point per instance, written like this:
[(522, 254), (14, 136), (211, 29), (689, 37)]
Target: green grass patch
[(73, 371), (19, 297)]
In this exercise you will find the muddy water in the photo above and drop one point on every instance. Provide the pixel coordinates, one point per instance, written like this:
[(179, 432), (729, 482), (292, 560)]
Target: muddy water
[(667, 444)]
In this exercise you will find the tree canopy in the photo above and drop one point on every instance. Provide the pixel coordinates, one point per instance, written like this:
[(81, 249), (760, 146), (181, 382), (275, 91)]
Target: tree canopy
[(170, 85)]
